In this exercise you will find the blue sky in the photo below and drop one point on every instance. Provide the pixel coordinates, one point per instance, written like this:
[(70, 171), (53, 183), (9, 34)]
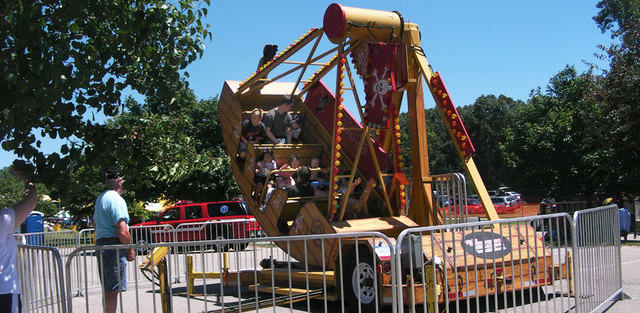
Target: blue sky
[(480, 47)]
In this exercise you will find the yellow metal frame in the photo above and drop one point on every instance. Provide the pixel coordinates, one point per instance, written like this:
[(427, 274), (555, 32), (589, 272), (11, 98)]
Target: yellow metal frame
[(192, 276), (372, 23)]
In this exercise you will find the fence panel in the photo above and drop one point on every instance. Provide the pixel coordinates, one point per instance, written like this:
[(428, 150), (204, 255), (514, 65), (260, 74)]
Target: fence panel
[(64, 240), (338, 272), (40, 273), (451, 197), (227, 229), (87, 264), (598, 261), (142, 235), (514, 265)]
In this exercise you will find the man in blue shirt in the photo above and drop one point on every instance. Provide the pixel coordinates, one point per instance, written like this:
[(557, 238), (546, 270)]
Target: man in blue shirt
[(111, 218)]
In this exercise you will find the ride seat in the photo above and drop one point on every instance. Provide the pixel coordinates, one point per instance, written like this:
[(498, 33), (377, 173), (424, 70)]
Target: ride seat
[(305, 152)]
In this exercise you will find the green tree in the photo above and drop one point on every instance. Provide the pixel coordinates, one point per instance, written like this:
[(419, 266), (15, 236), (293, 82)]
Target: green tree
[(12, 188), (60, 60), (621, 94), (486, 121), (442, 155), (172, 151), (554, 143)]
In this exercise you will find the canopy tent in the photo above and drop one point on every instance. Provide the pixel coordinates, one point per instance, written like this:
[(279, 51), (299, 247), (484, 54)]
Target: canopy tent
[(63, 214)]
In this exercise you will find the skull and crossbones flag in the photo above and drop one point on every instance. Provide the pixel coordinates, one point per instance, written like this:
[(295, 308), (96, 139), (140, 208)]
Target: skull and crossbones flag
[(380, 84)]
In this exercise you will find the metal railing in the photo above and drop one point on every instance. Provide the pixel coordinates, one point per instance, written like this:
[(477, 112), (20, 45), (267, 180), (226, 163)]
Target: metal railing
[(40, 273), (451, 197), (68, 240), (221, 231), (542, 263), (64, 240), (486, 266), (598, 259), (139, 234), (333, 272)]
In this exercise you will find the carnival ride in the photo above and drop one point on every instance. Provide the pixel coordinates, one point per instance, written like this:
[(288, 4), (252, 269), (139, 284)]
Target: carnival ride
[(386, 53)]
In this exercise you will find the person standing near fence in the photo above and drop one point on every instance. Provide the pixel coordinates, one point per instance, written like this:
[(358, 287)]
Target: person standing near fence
[(10, 219), (111, 228)]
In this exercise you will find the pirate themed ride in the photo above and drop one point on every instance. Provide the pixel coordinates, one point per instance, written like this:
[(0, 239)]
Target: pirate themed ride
[(383, 50)]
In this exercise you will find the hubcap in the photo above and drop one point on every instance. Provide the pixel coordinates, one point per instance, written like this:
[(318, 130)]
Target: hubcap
[(362, 281)]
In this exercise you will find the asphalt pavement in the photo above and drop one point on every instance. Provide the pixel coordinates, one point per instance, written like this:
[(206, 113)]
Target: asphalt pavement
[(630, 278)]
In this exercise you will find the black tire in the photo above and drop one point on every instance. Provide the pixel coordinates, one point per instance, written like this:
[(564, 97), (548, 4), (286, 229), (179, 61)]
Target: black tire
[(360, 271), (219, 234), (240, 246)]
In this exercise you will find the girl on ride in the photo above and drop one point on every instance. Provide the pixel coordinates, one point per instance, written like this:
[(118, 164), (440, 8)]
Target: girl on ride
[(266, 163), (284, 179)]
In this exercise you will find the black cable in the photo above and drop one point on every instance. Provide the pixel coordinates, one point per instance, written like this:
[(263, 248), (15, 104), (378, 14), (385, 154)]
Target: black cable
[(365, 26), (418, 49), (151, 279)]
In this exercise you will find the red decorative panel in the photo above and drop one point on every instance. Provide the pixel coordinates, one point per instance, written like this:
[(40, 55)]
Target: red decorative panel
[(321, 102), (451, 116)]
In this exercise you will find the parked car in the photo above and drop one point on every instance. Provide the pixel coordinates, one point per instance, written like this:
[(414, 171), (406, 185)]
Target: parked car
[(493, 193), (474, 206), (516, 203), (503, 191), (502, 204), (514, 194), (204, 221)]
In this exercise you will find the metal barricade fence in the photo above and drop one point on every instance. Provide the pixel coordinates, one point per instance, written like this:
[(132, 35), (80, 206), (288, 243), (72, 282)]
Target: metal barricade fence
[(504, 265), (139, 234), (598, 259), (522, 264), (451, 197), (336, 272), (222, 230), (144, 234), (64, 240), (40, 273), (86, 237)]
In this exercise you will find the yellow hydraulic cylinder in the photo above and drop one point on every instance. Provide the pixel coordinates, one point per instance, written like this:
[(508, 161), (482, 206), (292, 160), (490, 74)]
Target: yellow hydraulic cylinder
[(341, 22)]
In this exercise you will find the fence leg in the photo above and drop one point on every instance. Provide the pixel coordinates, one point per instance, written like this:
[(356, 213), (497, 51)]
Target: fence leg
[(165, 298), (79, 243), (570, 274), (430, 280), (190, 278)]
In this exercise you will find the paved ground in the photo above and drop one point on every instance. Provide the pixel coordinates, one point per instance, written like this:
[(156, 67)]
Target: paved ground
[(630, 278)]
